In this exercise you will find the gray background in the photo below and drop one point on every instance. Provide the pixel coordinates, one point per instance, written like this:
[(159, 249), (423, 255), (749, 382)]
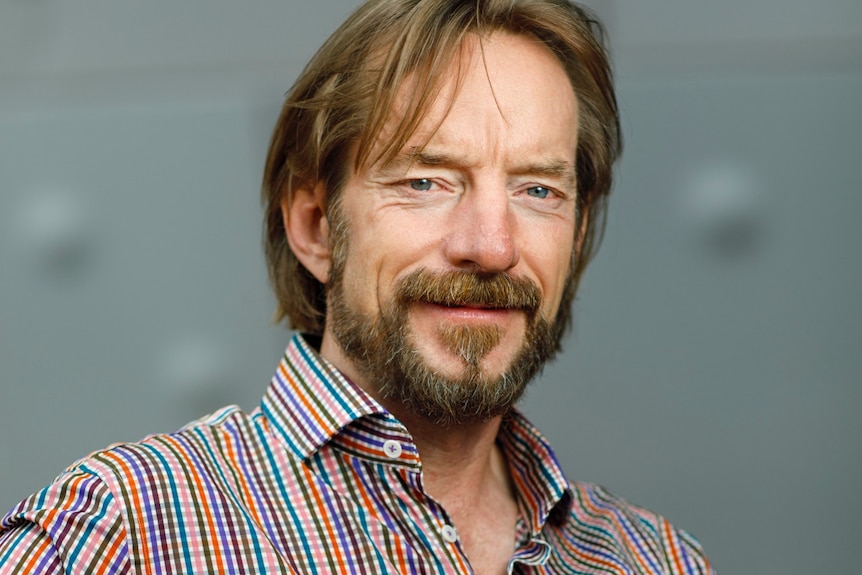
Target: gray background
[(715, 373)]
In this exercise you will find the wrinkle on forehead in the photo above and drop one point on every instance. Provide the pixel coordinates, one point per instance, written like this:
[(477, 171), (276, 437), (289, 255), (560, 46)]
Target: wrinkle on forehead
[(469, 57)]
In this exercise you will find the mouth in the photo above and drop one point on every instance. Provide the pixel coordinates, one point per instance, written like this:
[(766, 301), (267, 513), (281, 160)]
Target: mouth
[(464, 312)]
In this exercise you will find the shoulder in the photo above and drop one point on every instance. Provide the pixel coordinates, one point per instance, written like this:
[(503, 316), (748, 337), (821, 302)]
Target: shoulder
[(181, 472), (73, 521), (113, 496), (198, 449), (607, 528)]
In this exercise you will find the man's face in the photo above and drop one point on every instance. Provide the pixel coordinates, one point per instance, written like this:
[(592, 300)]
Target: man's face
[(454, 257)]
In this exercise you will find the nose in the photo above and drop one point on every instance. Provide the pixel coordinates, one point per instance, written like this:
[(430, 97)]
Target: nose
[(482, 230)]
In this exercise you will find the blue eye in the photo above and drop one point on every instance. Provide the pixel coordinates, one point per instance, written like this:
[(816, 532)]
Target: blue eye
[(421, 185), (540, 192)]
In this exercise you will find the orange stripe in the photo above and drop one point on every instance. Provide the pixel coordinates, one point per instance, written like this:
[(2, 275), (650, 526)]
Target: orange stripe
[(358, 446), (464, 566), (400, 548), (207, 509), (369, 506), (63, 504), (36, 556), (246, 492), (631, 544), (674, 550), (310, 481), (111, 552), (520, 486), (132, 484), (400, 552), (310, 409), (590, 558)]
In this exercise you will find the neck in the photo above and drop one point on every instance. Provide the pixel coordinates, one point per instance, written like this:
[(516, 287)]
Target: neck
[(460, 463), (463, 469)]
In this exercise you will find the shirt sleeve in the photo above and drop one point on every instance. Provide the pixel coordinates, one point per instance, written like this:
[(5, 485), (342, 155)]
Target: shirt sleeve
[(682, 551), (691, 555), (649, 538), (71, 526)]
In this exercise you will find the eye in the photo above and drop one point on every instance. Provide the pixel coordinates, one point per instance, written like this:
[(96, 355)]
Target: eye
[(421, 185), (540, 192)]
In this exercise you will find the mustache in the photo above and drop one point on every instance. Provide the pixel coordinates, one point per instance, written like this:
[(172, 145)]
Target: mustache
[(460, 288)]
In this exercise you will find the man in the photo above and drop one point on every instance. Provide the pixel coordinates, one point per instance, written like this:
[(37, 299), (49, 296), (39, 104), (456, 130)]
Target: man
[(433, 190)]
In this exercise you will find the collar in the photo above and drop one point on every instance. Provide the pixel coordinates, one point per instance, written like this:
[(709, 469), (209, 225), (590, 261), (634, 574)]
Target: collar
[(309, 403), (545, 493)]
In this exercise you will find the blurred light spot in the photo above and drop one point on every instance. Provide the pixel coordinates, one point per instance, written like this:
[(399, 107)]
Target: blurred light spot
[(193, 367), (53, 231), (723, 209)]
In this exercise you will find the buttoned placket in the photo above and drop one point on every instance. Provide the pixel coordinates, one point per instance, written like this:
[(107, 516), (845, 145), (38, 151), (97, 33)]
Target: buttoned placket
[(395, 450)]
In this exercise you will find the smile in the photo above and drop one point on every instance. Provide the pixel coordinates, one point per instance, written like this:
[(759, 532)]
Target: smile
[(467, 312)]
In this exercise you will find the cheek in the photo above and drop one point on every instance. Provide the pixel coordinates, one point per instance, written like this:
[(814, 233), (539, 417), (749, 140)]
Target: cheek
[(381, 251), (398, 239), (555, 255)]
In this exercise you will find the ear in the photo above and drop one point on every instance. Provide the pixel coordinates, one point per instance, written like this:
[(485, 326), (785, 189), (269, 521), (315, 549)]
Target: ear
[(308, 229)]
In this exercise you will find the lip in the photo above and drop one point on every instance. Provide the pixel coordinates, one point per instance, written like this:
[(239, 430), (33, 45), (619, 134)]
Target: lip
[(469, 313)]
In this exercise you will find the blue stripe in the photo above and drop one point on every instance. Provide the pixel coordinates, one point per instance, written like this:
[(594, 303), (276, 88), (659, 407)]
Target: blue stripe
[(420, 534), (311, 362), (175, 498), (286, 500), (233, 496), (23, 531), (83, 540), (270, 416), (299, 410)]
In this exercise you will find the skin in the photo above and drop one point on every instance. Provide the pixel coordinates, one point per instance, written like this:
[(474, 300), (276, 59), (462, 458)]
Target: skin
[(491, 189)]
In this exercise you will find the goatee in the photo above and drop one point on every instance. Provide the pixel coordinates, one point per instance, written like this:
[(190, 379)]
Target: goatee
[(384, 350)]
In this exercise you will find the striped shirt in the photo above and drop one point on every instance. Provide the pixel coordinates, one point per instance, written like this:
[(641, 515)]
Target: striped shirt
[(319, 479)]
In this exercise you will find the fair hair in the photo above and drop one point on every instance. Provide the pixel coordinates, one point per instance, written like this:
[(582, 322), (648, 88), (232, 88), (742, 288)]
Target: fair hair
[(332, 118)]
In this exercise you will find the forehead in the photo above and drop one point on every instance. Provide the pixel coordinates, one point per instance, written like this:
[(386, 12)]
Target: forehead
[(497, 87)]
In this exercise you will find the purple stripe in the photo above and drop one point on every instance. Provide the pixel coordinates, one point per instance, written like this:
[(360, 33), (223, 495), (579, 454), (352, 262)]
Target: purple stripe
[(213, 495), (254, 476), (254, 482), (336, 519), (59, 530), (46, 559), (144, 485), (627, 527), (390, 520), (296, 411)]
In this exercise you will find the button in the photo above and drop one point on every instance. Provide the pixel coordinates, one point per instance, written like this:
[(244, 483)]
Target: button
[(392, 449), (449, 534)]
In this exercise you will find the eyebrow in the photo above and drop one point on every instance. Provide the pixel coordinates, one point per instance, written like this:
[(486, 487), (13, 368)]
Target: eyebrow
[(554, 167)]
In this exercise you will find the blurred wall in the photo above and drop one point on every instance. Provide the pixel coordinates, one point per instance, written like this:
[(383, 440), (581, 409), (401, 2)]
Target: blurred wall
[(715, 371)]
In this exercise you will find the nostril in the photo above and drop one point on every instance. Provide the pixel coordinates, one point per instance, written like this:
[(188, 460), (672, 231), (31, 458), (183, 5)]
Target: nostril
[(484, 252), (482, 231)]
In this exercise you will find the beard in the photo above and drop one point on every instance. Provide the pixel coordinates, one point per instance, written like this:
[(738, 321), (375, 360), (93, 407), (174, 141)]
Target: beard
[(386, 354)]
